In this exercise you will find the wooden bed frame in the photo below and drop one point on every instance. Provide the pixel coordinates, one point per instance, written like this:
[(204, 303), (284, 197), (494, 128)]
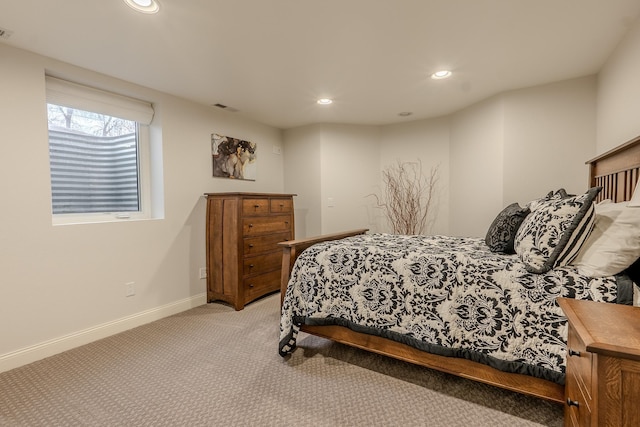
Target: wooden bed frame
[(616, 171)]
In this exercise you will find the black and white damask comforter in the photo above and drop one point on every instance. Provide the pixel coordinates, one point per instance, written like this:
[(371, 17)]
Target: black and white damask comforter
[(445, 295)]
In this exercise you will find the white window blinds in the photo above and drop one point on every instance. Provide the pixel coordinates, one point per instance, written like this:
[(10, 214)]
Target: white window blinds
[(68, 94)]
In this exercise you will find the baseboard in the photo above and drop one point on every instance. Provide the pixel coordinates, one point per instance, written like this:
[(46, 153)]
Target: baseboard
[(58, 345)]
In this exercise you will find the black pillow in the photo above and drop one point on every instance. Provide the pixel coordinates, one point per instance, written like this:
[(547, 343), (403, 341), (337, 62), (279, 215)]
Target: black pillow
[(503, 229), (633, 271)]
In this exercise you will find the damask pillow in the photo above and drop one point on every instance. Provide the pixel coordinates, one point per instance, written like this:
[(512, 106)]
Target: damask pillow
[(553, 233), (560, 193), (503, 229), (534, 204)]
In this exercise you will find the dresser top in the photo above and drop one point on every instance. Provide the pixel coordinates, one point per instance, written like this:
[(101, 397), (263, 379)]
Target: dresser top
[(242, 194), (605, 328)]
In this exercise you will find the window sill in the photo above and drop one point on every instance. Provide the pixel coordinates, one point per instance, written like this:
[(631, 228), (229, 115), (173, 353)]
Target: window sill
[(97, 219)]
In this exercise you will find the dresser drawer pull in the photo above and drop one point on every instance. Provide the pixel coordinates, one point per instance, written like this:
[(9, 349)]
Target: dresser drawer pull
[(574, 353), (250, 225), (256, 206), (250, 245), (250, 265), (572, 402), (251, 285)]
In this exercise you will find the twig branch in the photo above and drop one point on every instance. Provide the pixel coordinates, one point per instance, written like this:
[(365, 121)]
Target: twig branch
[(407, 196)]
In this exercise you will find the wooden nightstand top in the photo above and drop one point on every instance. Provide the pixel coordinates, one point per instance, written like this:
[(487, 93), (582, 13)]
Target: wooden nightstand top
[(605, 328)]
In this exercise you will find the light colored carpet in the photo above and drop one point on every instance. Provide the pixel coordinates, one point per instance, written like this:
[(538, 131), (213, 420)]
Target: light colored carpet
[(213, 366)]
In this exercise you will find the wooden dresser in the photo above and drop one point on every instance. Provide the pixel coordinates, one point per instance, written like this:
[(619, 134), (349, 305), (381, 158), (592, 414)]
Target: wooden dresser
[(244, 260), (603, 364)]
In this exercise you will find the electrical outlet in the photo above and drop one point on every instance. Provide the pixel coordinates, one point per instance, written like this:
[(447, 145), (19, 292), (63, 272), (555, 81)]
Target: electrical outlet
[(129, 289), (277, 150), (203, 272)]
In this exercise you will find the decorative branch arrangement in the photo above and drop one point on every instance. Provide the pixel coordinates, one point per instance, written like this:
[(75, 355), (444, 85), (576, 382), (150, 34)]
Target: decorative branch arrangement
[(407, 196)]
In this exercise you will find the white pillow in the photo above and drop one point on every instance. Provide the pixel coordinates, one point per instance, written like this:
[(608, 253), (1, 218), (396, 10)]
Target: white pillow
[(614, 243), (635, 198)]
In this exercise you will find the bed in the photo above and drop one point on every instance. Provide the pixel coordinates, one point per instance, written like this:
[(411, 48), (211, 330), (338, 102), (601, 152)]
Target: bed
[(464, 306)]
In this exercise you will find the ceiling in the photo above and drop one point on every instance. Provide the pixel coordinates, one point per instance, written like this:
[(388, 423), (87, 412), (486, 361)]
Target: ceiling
[(272, 59)]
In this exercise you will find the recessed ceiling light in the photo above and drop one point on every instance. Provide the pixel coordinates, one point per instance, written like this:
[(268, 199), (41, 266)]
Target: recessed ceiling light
[(405, 114), (144, 6), (325, 101), (442, 74)]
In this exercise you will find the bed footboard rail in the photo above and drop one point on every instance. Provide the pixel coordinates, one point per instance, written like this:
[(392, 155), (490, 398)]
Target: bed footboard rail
[(292, 248)]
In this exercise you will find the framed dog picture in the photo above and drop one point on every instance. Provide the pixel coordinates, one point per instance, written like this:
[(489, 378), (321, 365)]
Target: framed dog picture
[(233, 158)]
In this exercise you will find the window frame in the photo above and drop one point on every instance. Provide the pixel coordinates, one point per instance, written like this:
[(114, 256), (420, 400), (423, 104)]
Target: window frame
[(68, 94)]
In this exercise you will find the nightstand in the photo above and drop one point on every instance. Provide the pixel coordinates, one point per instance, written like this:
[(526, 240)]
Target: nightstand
[(602, 386)]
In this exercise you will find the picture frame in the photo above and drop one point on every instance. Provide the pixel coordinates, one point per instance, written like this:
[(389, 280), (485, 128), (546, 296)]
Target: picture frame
[(233, 158)]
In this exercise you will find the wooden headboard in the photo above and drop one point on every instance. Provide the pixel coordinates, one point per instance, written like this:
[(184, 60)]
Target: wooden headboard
[(616, 171)]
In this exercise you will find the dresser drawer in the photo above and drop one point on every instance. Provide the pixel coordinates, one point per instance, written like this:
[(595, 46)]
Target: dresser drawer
[(260, 244), (577, 410), (257, 286), (281, 205), (255, 206), (267, 224), (579, 362), (262, 263)]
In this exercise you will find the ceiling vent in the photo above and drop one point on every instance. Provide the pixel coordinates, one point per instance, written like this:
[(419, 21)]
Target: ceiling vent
[(5, 34), (226, 107)]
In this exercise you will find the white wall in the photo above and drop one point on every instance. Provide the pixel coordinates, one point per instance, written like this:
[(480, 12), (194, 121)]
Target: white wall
[(302, 176), (61, 286), (518, 146), (328, 161), (619, 94), (549, 134), (476, 168), (350, 168), (513, 147), (427, 141)]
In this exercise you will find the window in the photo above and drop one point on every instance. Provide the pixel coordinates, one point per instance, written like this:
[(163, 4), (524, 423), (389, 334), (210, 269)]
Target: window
[(98, 153)]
